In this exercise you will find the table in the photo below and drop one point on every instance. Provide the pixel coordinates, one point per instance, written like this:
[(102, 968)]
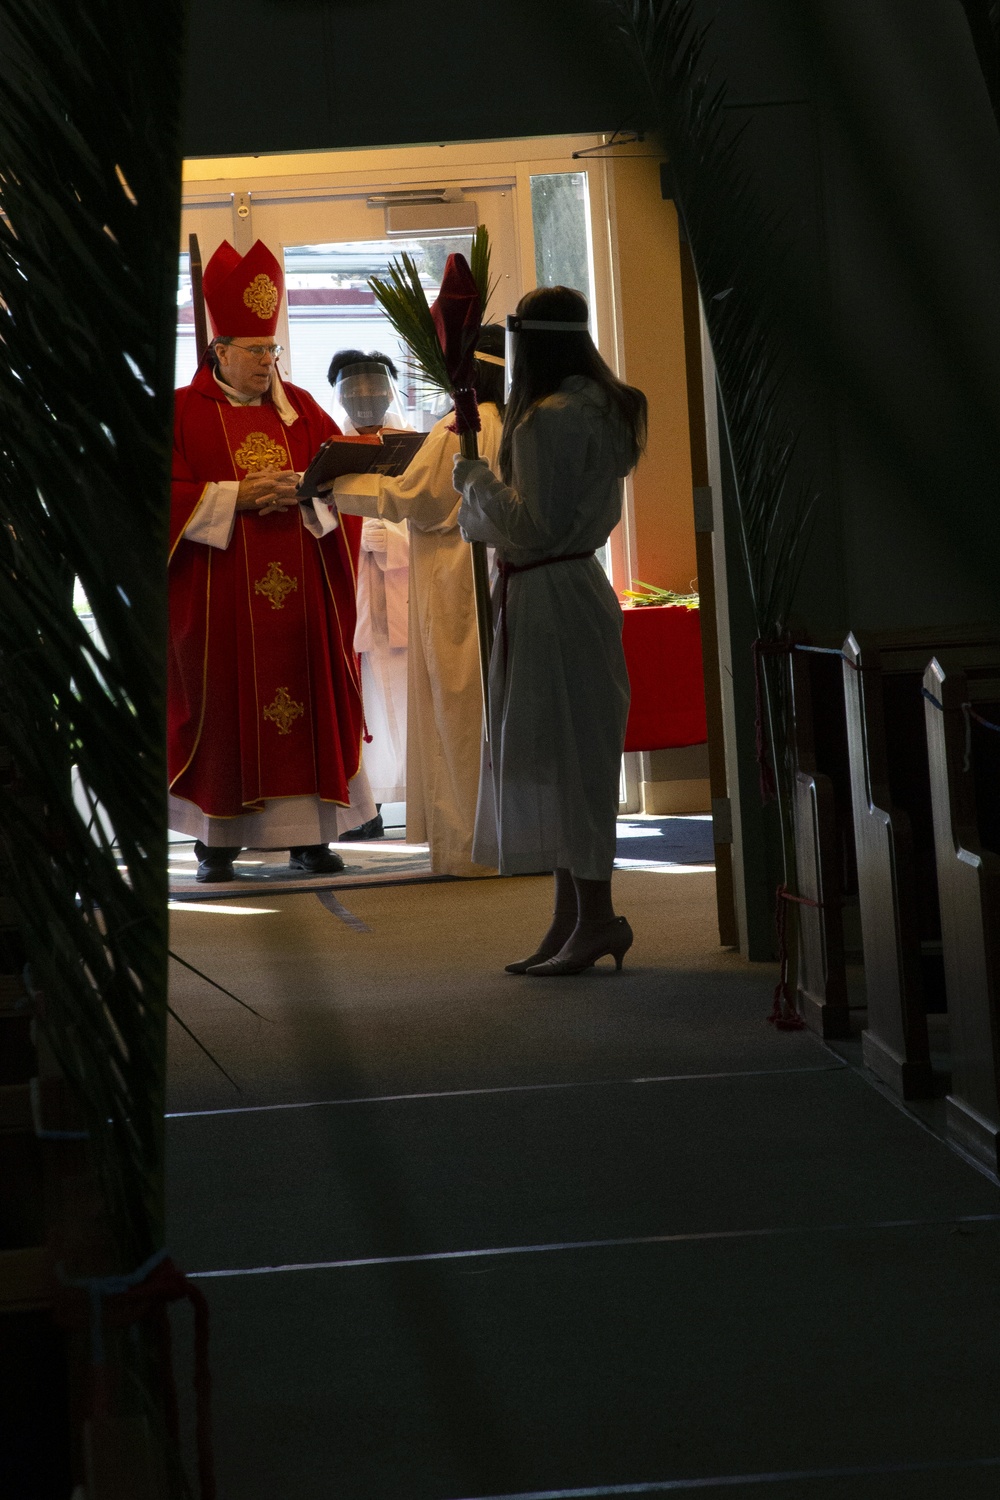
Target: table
[(663, 655)]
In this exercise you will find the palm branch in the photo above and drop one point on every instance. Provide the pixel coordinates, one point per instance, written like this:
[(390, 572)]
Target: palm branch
[(404, 302), (479, 264)]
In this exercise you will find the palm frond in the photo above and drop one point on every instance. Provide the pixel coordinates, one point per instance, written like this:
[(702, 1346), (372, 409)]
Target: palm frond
[(479, 265), (650, 593), (726, 227), (738, 250), (404, 302)]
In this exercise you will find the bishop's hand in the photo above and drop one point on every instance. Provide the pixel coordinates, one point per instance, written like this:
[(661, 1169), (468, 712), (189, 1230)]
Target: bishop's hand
[(268, 490)]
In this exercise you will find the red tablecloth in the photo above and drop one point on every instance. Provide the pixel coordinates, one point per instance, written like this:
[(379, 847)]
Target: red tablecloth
[(663, 654)]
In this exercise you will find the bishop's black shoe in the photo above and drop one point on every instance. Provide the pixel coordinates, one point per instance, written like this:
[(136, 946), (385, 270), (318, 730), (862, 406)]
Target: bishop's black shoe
[(315, 859), (214, 864), (373, 829)]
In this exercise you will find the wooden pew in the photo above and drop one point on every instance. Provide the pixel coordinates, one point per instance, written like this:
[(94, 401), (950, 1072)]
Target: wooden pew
[(894, 841), (895, 1041), (823, 873), (965, 796)]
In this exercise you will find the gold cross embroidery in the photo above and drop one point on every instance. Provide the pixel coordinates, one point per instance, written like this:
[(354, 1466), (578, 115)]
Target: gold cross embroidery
[(262, 296), (284, 711), (258, 451), (276, 585)]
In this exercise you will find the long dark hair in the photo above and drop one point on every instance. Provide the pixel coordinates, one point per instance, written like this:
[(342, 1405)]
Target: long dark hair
[(544, 359), (490, 380)]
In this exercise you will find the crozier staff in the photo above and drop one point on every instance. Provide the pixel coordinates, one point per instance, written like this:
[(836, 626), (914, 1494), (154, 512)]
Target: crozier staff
[(559, 691), (264, 698)]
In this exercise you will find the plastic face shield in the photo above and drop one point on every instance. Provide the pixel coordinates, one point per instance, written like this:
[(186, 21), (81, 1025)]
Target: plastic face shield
[(514, 326), (367, 396)]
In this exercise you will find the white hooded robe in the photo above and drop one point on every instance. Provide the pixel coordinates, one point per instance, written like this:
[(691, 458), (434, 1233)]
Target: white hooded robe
[(559, 689)]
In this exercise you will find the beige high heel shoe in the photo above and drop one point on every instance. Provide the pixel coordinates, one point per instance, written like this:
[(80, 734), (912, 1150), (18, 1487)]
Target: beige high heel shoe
[(522, 965), (614, 941)]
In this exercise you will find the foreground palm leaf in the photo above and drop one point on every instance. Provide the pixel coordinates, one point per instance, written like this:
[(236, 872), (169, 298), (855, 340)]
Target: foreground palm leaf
[(90, 184), (738, 252)]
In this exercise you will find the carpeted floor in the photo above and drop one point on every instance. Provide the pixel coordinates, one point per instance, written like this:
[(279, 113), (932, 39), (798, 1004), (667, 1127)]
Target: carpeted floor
[(466, 1235), (646, 841), (386, 862), (643, 843)]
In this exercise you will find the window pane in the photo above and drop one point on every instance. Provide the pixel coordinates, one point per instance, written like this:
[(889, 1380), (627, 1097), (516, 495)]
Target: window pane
[(560, 216), (331, 307), (185, 358)]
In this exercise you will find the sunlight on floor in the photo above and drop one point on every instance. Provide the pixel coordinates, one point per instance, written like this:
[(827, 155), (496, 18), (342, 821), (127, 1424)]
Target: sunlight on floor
[(215, 909)]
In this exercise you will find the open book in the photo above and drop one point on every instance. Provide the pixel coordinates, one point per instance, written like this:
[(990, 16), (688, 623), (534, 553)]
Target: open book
[(389, 454)]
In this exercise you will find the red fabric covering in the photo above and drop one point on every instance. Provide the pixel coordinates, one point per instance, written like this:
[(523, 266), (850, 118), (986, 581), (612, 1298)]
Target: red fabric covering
[(243, 292), (264, 697), (458, 317), (663, 654)]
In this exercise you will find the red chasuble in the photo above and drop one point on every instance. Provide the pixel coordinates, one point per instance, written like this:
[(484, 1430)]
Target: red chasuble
[(264, 695)]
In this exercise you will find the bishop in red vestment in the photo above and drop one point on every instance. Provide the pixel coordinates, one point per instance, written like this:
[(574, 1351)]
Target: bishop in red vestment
[(264, 696)]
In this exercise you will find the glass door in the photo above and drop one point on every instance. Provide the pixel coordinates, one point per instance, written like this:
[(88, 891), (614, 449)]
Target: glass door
[(330, 245), (331, 306)]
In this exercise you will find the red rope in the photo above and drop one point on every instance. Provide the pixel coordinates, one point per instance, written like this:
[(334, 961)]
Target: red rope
[(148, 1300), (784, 1014), (986, 723), (467, 417)]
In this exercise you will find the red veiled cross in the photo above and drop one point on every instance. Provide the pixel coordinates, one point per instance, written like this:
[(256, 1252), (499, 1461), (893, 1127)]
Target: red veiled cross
[(458, 318)]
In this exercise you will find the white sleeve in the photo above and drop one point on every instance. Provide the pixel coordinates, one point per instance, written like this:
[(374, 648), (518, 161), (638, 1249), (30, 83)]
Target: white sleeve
[(213, 521), (423, 495), (318, 517), (549, 459), (397, 548)]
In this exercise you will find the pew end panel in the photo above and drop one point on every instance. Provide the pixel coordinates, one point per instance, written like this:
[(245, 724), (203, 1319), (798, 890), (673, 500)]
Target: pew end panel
[(965, 793), (895, 1041), (821, 972)]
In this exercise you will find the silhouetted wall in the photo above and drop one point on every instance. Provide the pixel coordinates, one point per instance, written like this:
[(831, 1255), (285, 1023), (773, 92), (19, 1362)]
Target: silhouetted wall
[(868, 131), (337, 73)]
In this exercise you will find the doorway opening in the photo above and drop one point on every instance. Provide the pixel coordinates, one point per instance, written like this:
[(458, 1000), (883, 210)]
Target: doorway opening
[(560, 210)]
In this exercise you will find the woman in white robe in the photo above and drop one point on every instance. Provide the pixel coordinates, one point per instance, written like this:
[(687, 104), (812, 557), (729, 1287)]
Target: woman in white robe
[(444, 695), (559, 690)]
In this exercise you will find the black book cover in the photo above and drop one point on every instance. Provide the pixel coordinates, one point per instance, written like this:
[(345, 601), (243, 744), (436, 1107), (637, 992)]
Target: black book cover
[(388, 454)]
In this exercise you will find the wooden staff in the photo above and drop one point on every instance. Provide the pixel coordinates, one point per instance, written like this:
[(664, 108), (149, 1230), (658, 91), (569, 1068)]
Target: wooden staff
[(198, 298), (469, 445)]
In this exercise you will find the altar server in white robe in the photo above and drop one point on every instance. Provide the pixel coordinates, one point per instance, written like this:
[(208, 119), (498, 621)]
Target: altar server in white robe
[(444, 699), (559, 690), (367, 401)]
